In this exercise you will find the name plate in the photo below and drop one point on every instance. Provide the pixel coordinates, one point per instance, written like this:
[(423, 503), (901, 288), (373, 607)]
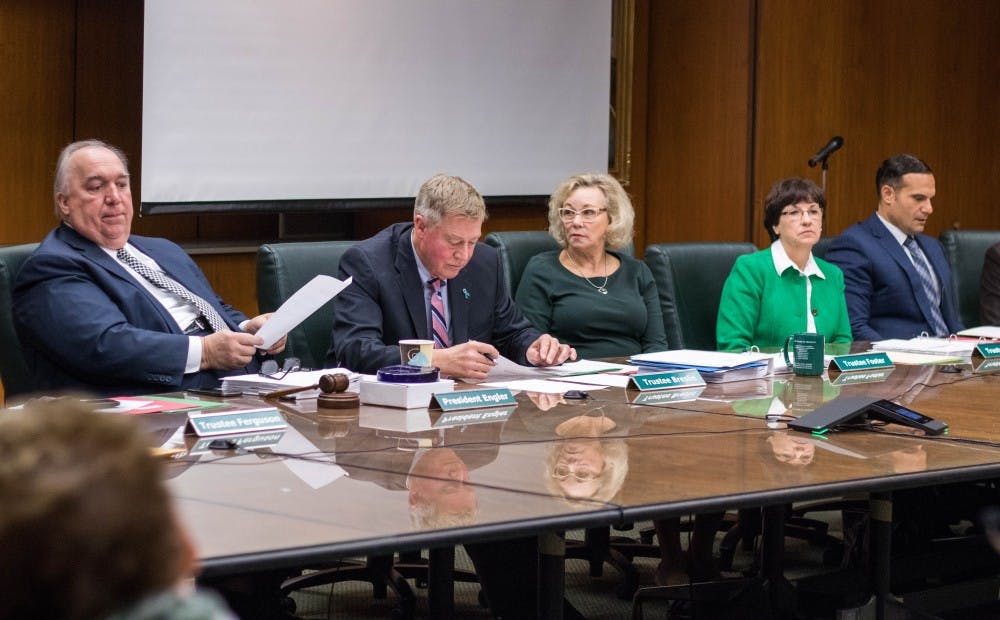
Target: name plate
[(232, 422), (985, 365), (688, 377), (663, 397), (472, 399), (861, 361), (246, 441), (987, 350), (478, 416), (862, 376)]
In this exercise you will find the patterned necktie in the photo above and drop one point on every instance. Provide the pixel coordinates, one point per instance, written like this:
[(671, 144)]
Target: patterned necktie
[(164, 282), (933, 295), (439, 327)]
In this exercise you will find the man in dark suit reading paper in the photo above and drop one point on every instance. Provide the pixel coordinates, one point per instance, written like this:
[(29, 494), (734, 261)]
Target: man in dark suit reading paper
[(100, 309)]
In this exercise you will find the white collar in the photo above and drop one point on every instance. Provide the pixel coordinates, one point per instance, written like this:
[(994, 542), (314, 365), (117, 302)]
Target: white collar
[(782, 262), (897, 234)]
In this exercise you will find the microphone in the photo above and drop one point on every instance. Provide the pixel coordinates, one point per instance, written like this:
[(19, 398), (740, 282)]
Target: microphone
[(835, 143)]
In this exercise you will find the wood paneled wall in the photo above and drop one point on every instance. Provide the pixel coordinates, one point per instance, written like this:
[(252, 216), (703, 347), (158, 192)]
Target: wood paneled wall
[(742, 94)]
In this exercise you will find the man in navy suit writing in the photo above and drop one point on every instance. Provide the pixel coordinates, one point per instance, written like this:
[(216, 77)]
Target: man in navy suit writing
[(399, 272), (897, 280), (99, 309)]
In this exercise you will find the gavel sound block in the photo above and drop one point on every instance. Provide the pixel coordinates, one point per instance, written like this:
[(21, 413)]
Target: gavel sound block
[(333, 388)]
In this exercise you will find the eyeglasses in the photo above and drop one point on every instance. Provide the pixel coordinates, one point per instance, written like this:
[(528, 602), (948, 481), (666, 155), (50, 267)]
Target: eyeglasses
[(270, 368), (562, 472), (813, 213), (587, 215)]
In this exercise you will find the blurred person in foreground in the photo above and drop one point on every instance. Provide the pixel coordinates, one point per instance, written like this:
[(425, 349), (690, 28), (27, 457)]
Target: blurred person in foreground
[(784, 289), (591, 294), (87, 528)]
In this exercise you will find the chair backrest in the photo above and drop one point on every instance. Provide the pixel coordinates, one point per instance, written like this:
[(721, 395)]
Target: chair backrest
[(819, 250), (516, 249), (689, 278), (282, 269), (13, 370), (966, 250)]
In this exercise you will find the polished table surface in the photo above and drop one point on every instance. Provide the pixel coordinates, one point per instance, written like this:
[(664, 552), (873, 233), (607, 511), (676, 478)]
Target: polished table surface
[(412, 485)]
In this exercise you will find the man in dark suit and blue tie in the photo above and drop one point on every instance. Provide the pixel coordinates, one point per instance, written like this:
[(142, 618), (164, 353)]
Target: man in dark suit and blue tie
[(100, 309), (897, 280)]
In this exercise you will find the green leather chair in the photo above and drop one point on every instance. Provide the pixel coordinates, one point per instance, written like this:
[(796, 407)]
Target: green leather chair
[(689, 278), (13, 370), (516, 249), (966, 250), (282, 269), (819, 250)]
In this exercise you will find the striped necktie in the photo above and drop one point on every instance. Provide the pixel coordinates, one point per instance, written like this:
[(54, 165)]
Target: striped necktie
[(164, 282), (439, 327), (931, 291)]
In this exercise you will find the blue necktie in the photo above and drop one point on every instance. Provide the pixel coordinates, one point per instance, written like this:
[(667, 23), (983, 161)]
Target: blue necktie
[(932, 293), (439, 327)]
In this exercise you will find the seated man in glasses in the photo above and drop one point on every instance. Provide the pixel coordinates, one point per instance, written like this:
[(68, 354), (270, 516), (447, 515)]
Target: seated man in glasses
[(431, 279), (99, 309)]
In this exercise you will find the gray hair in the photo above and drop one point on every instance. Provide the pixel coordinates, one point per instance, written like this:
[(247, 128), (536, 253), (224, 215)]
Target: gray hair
[(62, 165), (443, 195)]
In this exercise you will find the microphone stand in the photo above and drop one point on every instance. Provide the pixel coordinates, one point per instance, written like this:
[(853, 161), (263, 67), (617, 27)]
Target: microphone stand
[(824, 168)]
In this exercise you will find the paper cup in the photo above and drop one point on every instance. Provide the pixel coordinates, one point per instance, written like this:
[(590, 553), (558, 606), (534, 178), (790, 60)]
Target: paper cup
[(416, 352)]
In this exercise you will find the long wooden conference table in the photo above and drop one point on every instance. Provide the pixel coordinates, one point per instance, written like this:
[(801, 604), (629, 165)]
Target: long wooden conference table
[(412, 484)]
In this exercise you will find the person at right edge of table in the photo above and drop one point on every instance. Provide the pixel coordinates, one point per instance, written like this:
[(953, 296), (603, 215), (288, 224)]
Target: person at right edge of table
[(784, 289), (989, 294), (897, 280), (431, 279)]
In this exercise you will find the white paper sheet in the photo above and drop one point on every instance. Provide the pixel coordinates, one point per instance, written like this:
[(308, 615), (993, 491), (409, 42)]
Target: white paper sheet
[(580, 367), (544, 386), (299, 306), (602, 379)]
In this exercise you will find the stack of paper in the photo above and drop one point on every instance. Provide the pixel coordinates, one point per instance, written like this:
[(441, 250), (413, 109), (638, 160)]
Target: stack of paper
[(991, 332), (926, 345), (714, 367), (255, 385)]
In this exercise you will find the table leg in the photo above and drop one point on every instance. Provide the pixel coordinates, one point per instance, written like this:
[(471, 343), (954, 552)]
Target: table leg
[(881, 540), (441, 582), (551, 575)]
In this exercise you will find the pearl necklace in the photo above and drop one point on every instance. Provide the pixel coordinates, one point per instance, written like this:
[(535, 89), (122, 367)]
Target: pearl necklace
[(603, 288)]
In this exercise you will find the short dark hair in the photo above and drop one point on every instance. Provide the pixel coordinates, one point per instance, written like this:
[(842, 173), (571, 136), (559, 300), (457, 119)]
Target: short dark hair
[(892, 170), (87, 525), (789, 192)]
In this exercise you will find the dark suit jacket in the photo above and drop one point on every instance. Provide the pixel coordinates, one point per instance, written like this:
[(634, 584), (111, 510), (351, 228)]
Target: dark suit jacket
[(385, 304), (880, 280), (989, 295), (85, 323)]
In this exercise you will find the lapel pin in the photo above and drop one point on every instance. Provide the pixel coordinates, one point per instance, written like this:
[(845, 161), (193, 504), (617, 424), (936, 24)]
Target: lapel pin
[(465, 292)]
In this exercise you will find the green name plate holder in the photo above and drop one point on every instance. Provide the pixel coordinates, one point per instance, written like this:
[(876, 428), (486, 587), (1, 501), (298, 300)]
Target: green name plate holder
[(666, 380), (987, 350), (476, 416), (472, 399), (986, 357), (873, 360), (662, 397), (232, 422)]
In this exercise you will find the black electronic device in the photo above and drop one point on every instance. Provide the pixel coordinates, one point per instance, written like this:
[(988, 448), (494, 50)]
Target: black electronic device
[(216, 391), (833, 413), (898, 414)]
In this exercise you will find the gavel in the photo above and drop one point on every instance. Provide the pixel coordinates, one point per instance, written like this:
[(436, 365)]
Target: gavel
[(328, 384)]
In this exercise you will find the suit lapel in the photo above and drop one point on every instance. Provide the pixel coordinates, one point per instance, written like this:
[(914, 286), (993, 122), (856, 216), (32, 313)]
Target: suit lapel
[(893, 249), (408, 281), (458, 304)]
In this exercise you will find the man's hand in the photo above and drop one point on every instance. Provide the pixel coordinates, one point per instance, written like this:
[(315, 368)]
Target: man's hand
[(228, 350), (256, 323), (547, 351), (467, 360)]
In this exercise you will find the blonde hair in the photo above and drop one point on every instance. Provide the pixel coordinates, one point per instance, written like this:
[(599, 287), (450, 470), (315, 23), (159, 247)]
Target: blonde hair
[(620, 212)]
